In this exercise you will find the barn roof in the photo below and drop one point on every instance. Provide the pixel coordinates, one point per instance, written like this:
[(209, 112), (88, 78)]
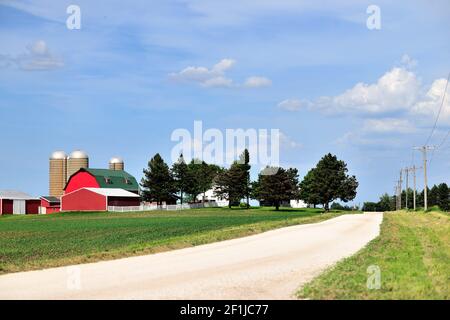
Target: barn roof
[(15, 195), (51, 199), (113, 192), (108, 178)]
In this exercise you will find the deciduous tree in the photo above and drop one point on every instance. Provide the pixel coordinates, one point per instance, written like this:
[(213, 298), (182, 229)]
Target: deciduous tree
[(331, 182), (277, 186)]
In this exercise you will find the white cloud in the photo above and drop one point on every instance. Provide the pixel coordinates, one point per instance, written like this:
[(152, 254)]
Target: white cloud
[(388, 125), (216, 76), (36, 58), (287, 142), (257, 82), (223, 65), (408, 62), (217, 82), (362, 139), (293, 104), (397, 89), (39, 48), (432, 100)]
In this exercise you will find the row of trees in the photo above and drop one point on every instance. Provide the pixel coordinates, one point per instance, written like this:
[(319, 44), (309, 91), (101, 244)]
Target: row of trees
[(327, 182), (183, 181), (438, 195)]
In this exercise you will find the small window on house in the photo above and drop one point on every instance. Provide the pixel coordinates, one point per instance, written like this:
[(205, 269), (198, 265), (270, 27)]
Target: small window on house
[(108, 180), (127, 181)]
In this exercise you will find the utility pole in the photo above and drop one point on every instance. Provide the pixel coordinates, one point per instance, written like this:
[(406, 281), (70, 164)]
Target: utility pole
[(395, 193), (406, 192), (400, 185), (414, 169), (424, 150), (414, 190)]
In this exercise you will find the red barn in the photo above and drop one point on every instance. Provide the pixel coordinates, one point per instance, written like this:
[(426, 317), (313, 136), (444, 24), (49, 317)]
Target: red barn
[(98, 199), (16, 202), (101, 178), (50, 204)]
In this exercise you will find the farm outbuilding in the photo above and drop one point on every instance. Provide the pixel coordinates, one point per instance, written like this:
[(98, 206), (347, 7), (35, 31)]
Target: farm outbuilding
[(98, 199), (50, 204), (16, 202)]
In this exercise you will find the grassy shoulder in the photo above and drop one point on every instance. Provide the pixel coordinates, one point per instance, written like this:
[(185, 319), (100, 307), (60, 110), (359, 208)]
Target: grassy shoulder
[(34, 242), (412, 252)]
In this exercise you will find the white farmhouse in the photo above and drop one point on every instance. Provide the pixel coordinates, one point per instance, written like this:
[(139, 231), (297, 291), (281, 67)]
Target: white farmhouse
[(209, 197)]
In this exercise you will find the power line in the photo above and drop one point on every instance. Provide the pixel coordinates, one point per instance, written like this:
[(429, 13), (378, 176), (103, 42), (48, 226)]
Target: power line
[(424, 150), (434, 127), (439, 112)]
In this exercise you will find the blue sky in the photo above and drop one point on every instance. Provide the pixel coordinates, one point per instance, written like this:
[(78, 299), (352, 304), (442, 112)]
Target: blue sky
[(135, 72)]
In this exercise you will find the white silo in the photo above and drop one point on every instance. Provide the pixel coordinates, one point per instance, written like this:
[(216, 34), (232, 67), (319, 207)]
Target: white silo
[(57, 173), (77, 159), (116, 163)]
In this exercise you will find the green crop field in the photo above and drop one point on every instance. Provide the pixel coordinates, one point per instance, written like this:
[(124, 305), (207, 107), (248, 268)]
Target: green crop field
[(38, 241), (413, 257)]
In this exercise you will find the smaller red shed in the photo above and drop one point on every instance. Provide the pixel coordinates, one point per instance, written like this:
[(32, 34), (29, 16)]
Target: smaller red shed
[(98, 199), (50, 205)]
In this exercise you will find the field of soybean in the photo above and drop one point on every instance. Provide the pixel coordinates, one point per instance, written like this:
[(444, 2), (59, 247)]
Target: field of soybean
[(38, 241)]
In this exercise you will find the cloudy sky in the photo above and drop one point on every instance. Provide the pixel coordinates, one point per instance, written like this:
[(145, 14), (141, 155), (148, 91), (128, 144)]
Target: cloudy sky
[(135, 72)]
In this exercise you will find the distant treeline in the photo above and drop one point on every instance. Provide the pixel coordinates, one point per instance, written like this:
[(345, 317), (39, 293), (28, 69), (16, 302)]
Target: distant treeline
[(438, 195), (327, 182)]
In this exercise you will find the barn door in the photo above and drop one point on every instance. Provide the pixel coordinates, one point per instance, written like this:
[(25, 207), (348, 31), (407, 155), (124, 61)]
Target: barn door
[(19, 207)]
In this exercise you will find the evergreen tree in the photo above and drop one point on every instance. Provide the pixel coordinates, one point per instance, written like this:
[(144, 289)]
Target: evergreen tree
[(433, 196), (245, 180), (182, 176), (157, 183), (229, 184), (443, 197), (278, 186), (420, 198), (410, 198), (201, 176)]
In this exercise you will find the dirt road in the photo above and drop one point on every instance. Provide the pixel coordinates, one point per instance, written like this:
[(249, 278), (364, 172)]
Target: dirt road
[(271, 265)]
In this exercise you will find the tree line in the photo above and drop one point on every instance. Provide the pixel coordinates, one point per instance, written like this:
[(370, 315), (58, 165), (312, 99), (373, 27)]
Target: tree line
[(438, 195), (326, 182)]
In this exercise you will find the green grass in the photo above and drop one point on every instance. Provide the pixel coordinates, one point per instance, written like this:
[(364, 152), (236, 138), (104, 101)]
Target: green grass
[(33, 242), (412, 252)]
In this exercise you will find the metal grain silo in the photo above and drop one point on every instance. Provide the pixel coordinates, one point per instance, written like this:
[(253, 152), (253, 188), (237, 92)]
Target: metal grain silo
[(77, 159), (57, 173), (116, 163)]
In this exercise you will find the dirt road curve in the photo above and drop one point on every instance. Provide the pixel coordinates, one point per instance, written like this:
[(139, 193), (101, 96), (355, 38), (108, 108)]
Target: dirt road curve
[(271, 265)]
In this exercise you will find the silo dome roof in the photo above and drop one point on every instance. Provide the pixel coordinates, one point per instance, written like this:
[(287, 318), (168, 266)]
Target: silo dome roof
[(78, 154), (116, 160), (57, 155)]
